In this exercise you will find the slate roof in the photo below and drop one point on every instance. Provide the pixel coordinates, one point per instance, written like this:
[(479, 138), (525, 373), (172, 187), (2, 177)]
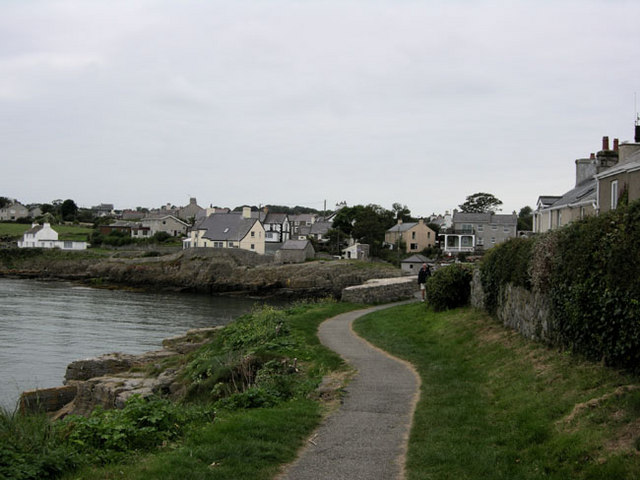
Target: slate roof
[(417, 258), (275, 218), (226, 226), (320, 228), (583, 193), (488, 218), (402, 227), (295, 245)]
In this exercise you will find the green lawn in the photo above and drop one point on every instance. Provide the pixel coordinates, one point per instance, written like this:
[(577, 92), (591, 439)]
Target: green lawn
[(494, 406), (65, 232)]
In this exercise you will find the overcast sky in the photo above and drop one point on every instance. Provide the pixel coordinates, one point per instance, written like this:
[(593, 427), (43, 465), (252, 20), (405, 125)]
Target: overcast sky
[(144, 103)]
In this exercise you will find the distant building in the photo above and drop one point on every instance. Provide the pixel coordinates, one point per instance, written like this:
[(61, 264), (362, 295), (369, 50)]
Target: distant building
[(229, 230), (13, 212), (416, 236), (43, 236), (357, 251), (102, 210), (478, 231), (295, 251)]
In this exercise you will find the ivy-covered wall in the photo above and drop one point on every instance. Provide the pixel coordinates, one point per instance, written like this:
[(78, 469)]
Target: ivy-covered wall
[(586, 274)]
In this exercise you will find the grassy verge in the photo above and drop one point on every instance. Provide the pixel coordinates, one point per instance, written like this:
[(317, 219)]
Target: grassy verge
[(496, 406), (250, 404)]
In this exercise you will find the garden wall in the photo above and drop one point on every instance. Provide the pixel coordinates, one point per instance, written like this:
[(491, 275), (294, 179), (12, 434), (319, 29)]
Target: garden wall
[(525, 312)]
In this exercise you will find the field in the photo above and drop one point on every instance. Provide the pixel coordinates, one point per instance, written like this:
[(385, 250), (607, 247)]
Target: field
[(76, 233)]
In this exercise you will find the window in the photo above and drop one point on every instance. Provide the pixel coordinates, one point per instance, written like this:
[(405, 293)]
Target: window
[(253, 246), (507, 229), (253, 234), (413, 235), (493, 239), (481, 228), (413, 246), (494, 227), (467, 228), (614, 194)]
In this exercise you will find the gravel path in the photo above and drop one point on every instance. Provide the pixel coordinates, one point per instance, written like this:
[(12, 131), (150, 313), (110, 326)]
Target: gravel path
[(366, 437)]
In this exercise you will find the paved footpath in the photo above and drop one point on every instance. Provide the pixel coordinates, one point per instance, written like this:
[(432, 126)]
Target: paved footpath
[(367, 437)]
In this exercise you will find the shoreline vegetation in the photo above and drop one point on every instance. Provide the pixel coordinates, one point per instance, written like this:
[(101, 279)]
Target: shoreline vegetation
[(492, 405)]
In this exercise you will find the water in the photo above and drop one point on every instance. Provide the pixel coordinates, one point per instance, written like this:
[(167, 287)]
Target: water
[(44, 326)]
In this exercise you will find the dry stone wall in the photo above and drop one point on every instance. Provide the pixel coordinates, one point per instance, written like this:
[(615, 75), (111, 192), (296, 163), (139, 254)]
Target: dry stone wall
[(382, 290), (526, 312)]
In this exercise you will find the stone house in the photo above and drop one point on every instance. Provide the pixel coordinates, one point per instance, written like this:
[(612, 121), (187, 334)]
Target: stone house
[(43, 236), (191, 211), (301, 225), (622, 179), (416, 236), (229, 230), (480, 231), (13, 212), (295, 251)]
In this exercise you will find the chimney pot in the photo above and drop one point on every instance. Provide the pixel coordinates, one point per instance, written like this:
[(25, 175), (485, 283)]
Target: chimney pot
[(605, 143), (593, 156)]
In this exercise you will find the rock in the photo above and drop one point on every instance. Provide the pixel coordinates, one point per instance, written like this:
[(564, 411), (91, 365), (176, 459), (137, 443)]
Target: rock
[(46, 399)]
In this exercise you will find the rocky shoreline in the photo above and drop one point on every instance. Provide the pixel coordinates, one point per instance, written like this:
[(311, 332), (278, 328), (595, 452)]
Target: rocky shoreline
[(109, 380), (209, 271)]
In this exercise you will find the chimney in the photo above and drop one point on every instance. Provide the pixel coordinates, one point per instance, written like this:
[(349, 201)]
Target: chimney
[(246, 212), (616, 142), (605, 144)]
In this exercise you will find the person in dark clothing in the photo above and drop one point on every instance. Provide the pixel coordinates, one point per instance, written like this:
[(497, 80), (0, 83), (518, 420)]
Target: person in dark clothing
[(423, 274)]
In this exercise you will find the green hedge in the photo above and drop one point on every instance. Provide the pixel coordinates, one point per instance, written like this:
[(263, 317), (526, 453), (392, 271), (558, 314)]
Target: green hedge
[(449, 287), (591, 272)]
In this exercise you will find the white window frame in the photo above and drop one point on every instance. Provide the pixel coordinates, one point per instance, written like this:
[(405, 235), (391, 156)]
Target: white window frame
[(614, 194)]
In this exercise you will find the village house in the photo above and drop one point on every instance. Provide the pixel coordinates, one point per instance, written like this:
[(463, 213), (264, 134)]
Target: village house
[(582, 200), (276, 226), (301, 225), (13, 212), (415, 236), (623, 180), (191, 211), (43, 236), (412, 264), (165, 223), (229, 230), (480, 231)]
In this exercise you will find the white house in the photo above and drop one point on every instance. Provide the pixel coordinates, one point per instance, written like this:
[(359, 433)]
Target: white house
[(43, 236)]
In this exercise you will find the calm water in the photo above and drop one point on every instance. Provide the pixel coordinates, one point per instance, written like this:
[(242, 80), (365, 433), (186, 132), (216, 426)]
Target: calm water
[(44, 326)]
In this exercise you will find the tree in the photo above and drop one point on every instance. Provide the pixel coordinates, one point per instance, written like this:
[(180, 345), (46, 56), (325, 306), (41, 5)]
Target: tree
[(401, 212), (525, 219), (68, 210), (481, 203), (4, 202)]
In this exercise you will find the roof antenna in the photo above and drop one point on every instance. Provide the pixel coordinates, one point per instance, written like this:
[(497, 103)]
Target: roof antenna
[(637, 134)]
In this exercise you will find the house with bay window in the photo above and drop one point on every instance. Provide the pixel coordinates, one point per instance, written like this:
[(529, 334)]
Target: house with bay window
[(478, 231)]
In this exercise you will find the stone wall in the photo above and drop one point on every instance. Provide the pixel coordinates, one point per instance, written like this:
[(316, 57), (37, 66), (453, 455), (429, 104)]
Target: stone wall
[(528, 313), (382, 290)]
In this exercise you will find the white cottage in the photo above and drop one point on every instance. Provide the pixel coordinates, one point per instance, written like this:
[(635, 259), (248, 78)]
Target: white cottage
[(43, 236)]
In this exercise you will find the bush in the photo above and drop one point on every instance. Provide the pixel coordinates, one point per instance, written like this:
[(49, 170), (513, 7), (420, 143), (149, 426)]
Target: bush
[(508, 262), (449, 287)]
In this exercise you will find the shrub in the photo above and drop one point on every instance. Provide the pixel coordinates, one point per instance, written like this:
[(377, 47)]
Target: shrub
[(449, 287), (505, 263)]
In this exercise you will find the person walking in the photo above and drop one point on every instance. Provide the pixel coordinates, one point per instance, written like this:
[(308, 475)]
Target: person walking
[(423, 274)]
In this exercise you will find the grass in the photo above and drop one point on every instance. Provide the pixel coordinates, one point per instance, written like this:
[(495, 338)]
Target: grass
[(70, 233), (237, 443), (493, 405)]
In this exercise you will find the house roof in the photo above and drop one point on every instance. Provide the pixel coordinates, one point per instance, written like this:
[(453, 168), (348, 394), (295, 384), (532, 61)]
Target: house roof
[(584, 193), (545, 201), (276, 218), (226, 226), (295, 245), (489, 218), (417, 258), (320, 228), (402, 227)]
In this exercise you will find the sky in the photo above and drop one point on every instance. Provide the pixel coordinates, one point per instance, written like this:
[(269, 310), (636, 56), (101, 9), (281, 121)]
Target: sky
[(254, 102)]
